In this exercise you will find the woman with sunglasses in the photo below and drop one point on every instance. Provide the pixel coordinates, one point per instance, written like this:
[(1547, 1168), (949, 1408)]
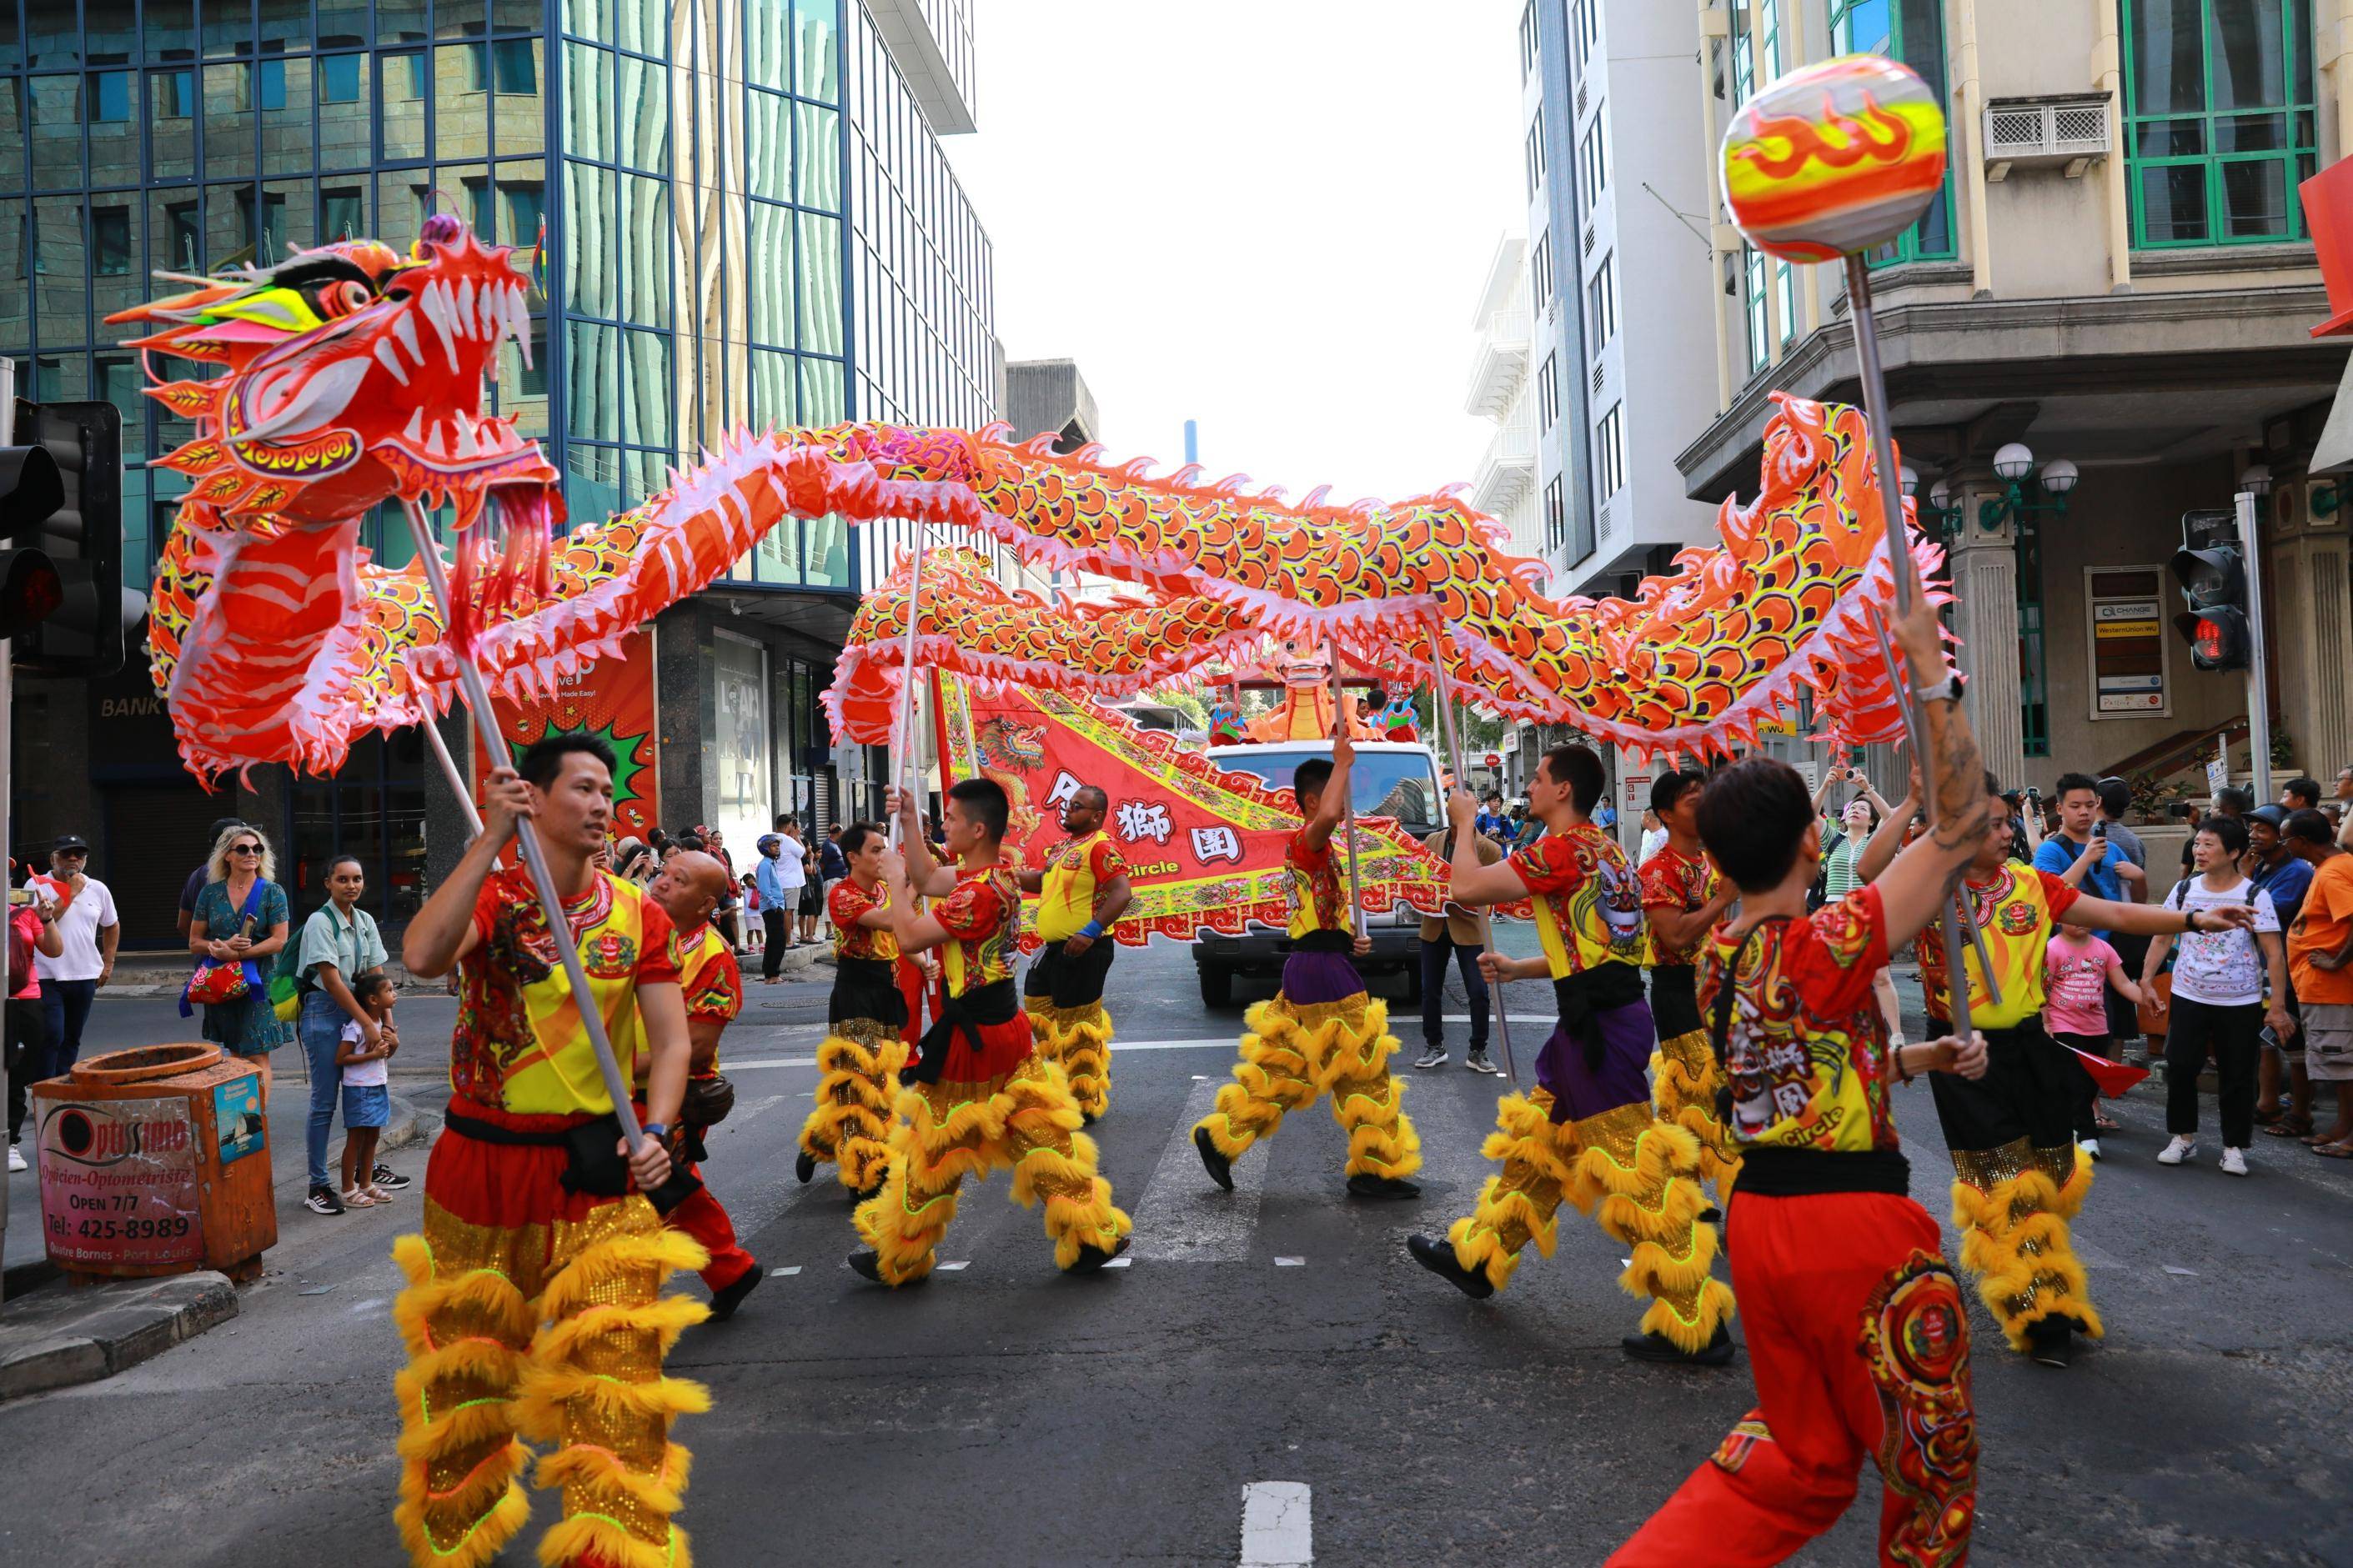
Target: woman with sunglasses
[(241, 916)]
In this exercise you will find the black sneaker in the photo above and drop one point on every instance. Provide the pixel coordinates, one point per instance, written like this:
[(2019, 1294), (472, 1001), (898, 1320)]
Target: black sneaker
[(1091, 1257), (1435, 1254), (323, 1200), (2050, 1341), (386, 1176), (1664, 1351), (805, 1166), (1477, 1062), (1710, 1215), (1364, 1185), (1220, 1169), (1435, 1056), (724, 1302), (868, 1264)]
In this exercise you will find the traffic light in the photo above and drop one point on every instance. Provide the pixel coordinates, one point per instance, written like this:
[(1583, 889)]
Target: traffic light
[(30, 590), (80, 533), (2214, 584)]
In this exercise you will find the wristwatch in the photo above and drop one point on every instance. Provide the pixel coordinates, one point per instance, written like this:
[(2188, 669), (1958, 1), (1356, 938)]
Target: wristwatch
[(1948, 689), (2189, 921), (654, 1130)]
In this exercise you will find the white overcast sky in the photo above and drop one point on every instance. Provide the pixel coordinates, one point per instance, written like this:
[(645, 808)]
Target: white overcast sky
[(1271, 216)]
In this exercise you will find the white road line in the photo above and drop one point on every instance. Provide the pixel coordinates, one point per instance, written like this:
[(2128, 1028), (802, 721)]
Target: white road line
[(794, 1268), (1205, 1043), (1291, 1262), (1278, 1525), (1183, 1217)]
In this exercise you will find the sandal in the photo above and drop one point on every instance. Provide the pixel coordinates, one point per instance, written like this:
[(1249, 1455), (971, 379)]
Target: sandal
[(2340, 1150), (2290, 1126), (2103, 1122)]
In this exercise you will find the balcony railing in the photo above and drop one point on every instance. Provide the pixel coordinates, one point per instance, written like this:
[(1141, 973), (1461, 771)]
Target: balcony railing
[(1507, 471), (1501, 361)]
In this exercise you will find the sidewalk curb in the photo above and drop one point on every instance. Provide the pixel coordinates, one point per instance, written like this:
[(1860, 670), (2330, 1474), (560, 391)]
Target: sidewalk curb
[(60, 1336)]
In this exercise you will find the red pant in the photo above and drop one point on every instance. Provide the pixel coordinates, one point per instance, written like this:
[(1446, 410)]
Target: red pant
[(1858, 1339), (918, 993), (701, 1217)]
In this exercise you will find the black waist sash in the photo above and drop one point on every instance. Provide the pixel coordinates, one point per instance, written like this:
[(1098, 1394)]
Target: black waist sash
[(1583, 996), (1775, 1172), (1325, 941), (995, 1003), (1675, 999), (867, 988)]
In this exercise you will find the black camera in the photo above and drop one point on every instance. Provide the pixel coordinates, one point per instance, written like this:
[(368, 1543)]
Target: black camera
[(2179, 810)]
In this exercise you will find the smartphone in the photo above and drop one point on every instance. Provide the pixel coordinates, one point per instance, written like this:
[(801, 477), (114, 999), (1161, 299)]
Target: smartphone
[(2099, 830)]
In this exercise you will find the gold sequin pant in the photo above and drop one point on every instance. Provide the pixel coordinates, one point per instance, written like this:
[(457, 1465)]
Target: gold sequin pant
[(1635, 1174), (1296, 1051), (1080, 1039), (1684, 1077), (946, 1132), (858, 1068), (534, 1313)]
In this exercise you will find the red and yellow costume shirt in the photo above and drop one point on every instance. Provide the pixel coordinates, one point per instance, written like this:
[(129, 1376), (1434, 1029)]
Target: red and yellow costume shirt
[(1075, 871), (1318, 902), (1588, 902), (2015, 911), (851, 940), (981, 918), (1805, 1045), (1680, 883), (710, 976), (519, 1045)]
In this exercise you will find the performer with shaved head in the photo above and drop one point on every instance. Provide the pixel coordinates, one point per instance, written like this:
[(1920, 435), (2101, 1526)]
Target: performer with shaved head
[(1083, 890)]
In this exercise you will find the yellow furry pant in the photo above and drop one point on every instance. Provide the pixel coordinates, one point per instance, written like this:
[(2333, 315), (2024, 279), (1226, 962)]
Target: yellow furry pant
[(946, 1131), (1079, 1038), (858, 1066), (553, 1332), (1635, 1174), (1684, 1077), (1294, 1053), (2011, 1206)]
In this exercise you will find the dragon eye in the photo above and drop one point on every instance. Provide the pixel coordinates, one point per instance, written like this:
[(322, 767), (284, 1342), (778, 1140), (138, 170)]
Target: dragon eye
[(342, 298)]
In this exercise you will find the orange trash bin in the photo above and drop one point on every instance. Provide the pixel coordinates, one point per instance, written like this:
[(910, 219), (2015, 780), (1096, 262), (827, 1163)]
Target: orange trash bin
[(155, 1161)]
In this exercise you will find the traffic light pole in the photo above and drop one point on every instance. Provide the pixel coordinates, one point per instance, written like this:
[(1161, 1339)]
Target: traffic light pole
[(8, 787), (2259, 693)]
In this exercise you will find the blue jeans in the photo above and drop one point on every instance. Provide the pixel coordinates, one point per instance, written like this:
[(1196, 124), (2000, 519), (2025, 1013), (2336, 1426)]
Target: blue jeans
[(1434, 955), (321, 1028), (67, 1004)]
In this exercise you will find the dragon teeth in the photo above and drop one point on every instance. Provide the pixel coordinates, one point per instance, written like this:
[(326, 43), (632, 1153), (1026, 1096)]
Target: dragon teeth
[(464, 300), (464, 446), (415, 432), (404, 328), (435, 303), (389, 357), (487, 310)]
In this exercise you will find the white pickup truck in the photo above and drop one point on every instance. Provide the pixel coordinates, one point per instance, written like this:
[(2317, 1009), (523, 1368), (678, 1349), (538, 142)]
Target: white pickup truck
[(1392, 779)]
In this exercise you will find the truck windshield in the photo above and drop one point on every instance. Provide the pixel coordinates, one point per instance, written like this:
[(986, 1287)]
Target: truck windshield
[(1397, 785)]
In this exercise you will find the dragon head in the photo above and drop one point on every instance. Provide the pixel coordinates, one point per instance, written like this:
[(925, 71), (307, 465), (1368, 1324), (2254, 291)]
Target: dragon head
[(352, 375)]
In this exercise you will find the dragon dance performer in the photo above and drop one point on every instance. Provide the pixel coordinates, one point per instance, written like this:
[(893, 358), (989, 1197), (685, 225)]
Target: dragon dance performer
[(1322, 1034), (859, 1062), (1857, 1330), (2020, 1178), (688, 889), (533, 1305), (1083, 890), (981, 1099), (1586, 1132), (1682, 898)]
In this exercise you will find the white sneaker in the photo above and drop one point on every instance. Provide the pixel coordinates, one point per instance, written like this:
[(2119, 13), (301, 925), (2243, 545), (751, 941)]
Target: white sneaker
[(2090, 1146), (2180, 1149), (1432, 1056), (2234, 1161), (16, 1159)]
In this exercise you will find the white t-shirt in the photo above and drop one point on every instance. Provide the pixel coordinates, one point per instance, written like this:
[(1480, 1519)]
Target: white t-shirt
[(368, 1074), (2221, 968), (792, 863), (92, 908)]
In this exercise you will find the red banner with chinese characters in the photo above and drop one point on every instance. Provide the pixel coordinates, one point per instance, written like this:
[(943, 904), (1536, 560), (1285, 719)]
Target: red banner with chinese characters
[(613, 700), (1203, 847)]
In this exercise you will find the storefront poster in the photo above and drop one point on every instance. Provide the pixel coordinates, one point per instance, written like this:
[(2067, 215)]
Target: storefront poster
[(118, 1182), (613, 700), (2127, 628), (238, 1121)]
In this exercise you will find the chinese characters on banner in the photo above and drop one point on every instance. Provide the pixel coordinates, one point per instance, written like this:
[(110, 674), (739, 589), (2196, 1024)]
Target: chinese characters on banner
[(613, 700), (1203, 847)]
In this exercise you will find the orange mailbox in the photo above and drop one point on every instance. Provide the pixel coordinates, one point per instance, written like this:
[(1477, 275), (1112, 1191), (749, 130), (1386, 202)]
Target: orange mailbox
[(155, 1161)]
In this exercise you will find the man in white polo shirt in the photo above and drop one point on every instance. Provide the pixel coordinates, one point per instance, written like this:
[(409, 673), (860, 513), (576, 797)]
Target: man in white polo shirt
[(86, 922)]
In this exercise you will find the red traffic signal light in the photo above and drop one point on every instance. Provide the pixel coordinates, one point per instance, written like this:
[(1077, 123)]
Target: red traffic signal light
[(2217, 637), (30, 590), (2214, 586)]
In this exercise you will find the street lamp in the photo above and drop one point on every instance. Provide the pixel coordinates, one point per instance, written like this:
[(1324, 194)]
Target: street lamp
[(2059, 477), (2014, 464), (2256, 478), (1939, 510), (1910, 478), (2014, 461)]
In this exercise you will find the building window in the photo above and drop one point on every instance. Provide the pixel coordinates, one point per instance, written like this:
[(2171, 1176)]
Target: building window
[(109, 97), (110, 240), (1548, 396), (271, 90), (1585, 22), (343, 213), (1534, 158), (1752, 269), (339, 78), (513, 68), (1528, 34), (1785, 289), (1555, 517), (1610, 451), (1911, 31), (1594, 165), (1540, 277), (2218, 119), (1602, 301)]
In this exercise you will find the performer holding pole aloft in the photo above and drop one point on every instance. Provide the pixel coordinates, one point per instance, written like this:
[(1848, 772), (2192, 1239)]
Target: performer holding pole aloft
[(982, 1099), (858, 1062), (1322, 1034), (688, 890), (1682, 898), (533, 1305), (1587, 1131), (1083, 890)]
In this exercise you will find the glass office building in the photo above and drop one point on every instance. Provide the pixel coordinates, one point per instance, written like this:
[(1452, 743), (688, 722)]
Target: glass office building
[(748, 221)]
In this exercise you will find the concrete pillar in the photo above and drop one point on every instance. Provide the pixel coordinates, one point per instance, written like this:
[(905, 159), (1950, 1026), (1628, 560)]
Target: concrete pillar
[(1985, 579), (2312, 628), (446, 833)]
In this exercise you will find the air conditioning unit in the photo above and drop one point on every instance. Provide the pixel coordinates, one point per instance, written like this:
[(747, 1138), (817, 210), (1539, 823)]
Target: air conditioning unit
[(2045, 132)]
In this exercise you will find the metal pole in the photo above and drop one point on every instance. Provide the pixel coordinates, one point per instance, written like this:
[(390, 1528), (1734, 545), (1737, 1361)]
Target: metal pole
[(8, 783), (450, 771), (477, 699), (902, 761), (1347, 805), (1907, 573), (2259, 680), (1447, 721)]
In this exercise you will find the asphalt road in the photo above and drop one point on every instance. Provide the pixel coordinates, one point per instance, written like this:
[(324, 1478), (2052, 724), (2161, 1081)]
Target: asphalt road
[(1005, 1415)]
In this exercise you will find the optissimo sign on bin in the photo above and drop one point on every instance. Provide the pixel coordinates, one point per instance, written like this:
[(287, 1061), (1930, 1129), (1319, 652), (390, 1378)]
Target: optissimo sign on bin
[(118, 1182)]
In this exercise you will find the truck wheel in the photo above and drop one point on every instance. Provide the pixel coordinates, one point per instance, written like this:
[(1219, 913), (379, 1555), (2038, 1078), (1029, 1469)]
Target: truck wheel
[(1410, 993), (1216, 986)]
